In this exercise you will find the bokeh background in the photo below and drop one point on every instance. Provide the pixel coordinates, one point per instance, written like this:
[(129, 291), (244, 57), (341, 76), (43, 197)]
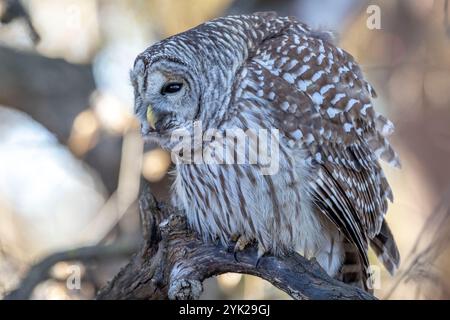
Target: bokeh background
[(71, 157)]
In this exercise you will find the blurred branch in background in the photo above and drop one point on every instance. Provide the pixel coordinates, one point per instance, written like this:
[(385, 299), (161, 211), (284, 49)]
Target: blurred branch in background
[(420, 266), (41, 271), (13, 9)]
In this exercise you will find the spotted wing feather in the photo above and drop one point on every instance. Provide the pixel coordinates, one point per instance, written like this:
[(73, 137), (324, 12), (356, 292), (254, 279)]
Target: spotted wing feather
[(322, 104)]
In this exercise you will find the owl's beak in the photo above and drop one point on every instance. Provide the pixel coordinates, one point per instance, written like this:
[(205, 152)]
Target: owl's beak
[(151, 118)]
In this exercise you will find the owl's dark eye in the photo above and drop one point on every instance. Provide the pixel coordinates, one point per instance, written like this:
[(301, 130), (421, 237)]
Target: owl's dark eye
[(171, 87)]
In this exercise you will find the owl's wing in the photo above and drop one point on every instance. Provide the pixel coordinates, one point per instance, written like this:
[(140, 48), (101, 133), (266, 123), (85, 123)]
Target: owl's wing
[(320, 102)]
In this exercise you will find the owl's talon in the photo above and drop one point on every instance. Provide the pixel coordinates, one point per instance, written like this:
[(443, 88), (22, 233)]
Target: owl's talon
[(241, 243), (235, 257), (261, 254), (231, 248)]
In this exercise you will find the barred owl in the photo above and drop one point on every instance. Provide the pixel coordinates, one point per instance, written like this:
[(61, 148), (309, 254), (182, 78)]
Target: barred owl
[(329, 196)]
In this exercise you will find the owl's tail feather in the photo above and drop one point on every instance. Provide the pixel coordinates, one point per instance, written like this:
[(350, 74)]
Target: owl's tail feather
[(353, 270), (386, 249)]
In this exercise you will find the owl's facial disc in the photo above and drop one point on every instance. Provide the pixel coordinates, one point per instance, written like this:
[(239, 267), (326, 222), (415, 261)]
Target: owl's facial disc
[(165, 95), (165, 99)]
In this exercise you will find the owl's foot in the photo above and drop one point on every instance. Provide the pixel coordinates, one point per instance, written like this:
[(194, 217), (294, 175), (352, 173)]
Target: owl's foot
[(240, 243), (235, 237), (261, 253)]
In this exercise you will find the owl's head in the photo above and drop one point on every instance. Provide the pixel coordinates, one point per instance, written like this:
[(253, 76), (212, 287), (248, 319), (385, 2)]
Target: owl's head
[(166, 95), (191, 76)]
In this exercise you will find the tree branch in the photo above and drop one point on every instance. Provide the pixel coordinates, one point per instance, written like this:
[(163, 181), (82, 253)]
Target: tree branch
[(173, 263)]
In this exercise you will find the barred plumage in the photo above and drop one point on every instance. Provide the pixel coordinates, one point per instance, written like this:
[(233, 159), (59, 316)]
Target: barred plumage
[(264, 71)]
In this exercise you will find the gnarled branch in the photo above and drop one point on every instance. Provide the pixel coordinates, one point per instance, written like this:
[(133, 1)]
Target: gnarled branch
[(173, 262)]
